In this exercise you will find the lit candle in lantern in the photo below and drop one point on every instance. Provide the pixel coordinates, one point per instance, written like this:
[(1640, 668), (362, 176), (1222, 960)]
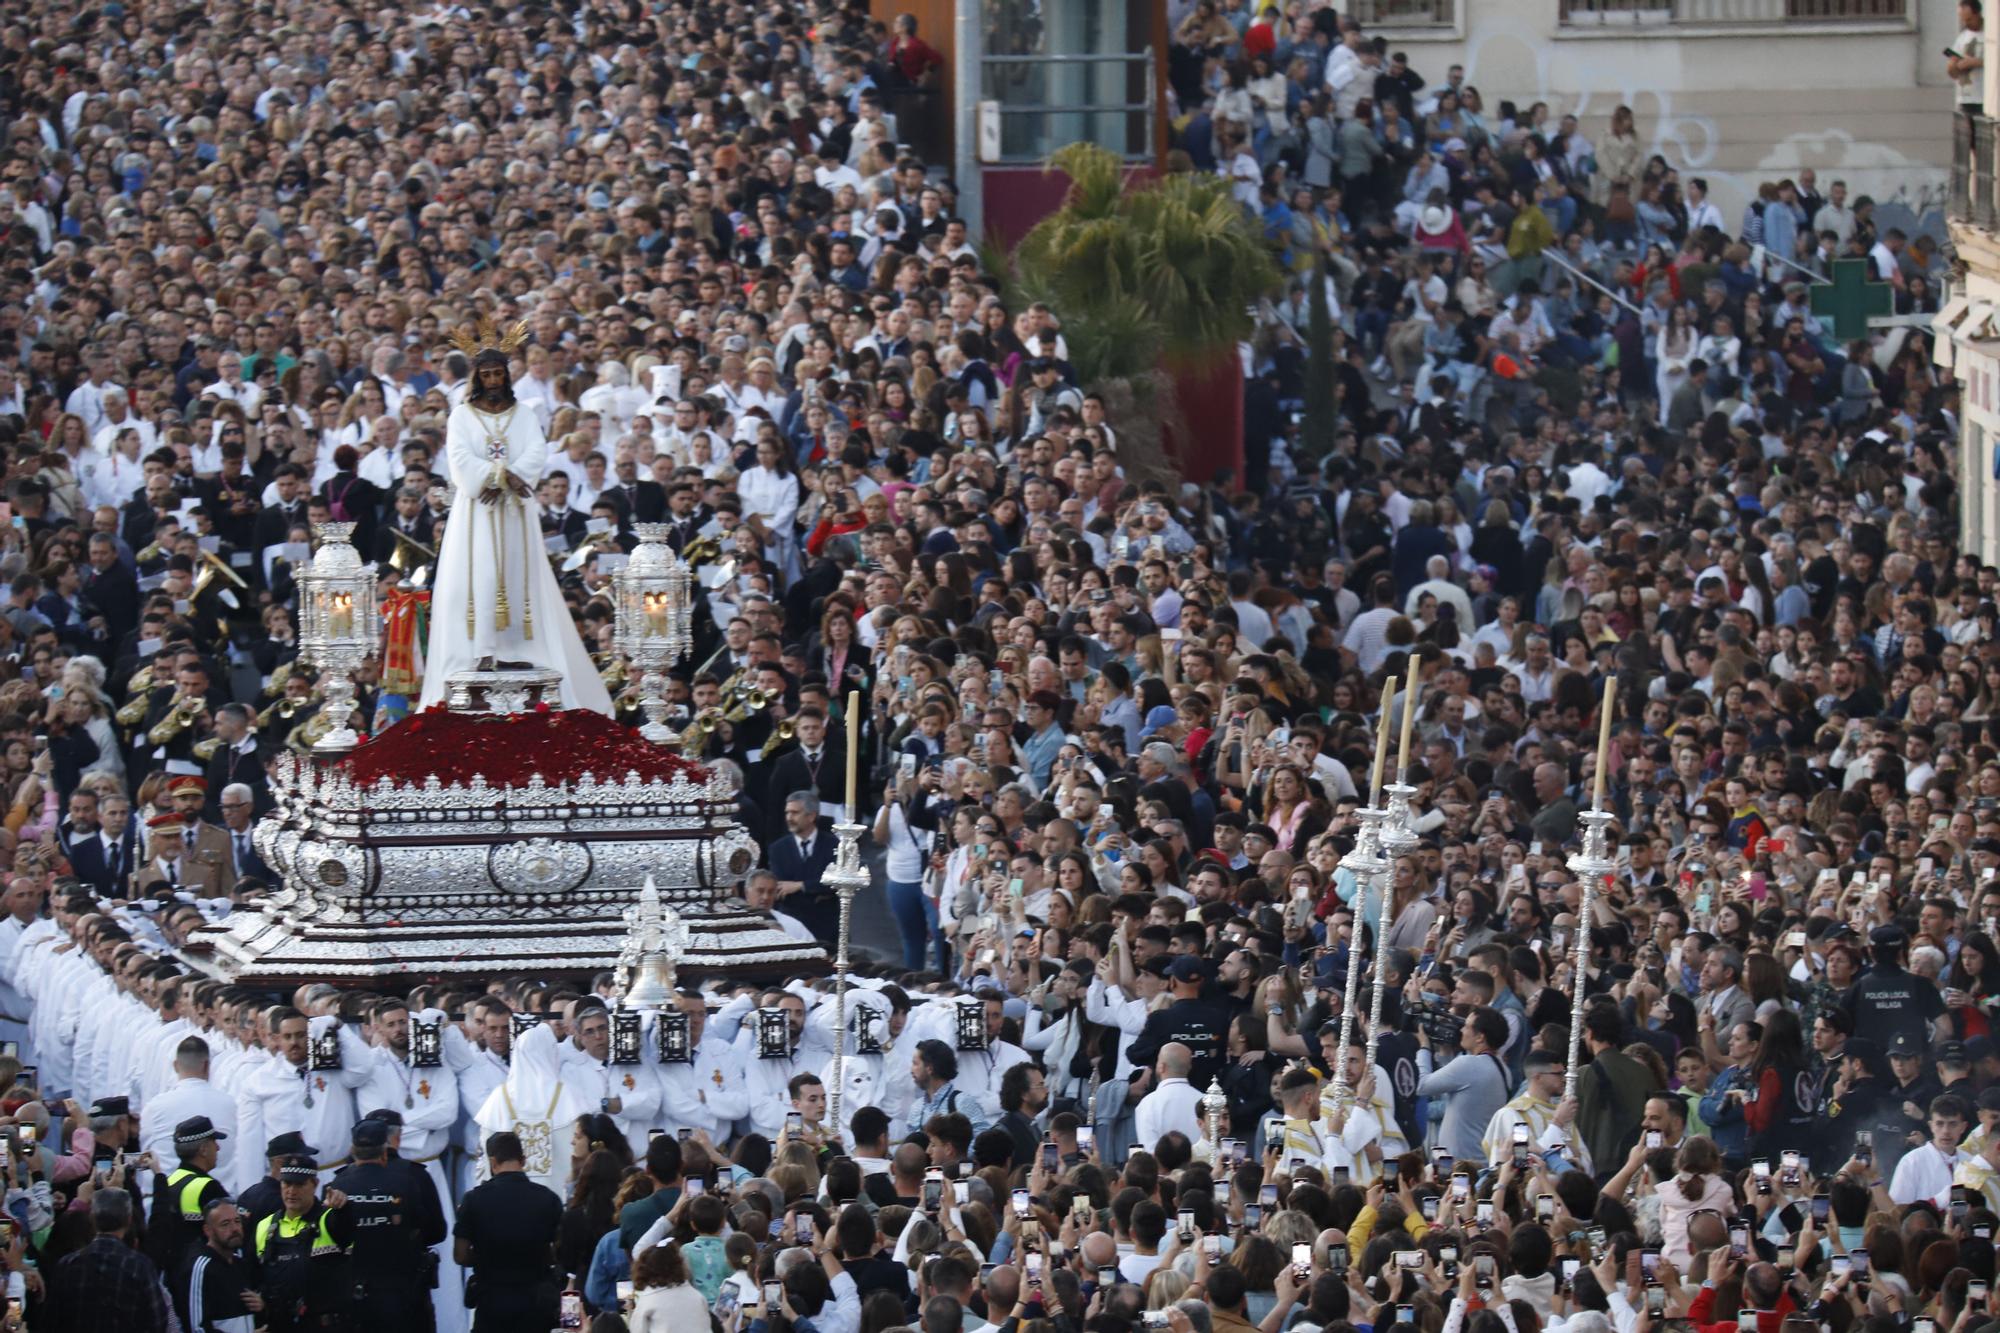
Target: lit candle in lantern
[(1409, 713), (656, 613), (1604, 741), (342, 606), (1382, 743)]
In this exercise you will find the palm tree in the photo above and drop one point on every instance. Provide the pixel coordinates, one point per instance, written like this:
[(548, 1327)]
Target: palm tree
[(1150, 277)]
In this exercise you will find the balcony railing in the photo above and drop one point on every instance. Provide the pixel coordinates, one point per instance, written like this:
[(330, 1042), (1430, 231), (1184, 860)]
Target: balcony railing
[(1404, 13), (1975, 182), (1725, 13)]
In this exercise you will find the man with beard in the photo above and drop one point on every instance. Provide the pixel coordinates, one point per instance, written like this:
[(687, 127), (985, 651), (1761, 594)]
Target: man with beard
[(496, 602)]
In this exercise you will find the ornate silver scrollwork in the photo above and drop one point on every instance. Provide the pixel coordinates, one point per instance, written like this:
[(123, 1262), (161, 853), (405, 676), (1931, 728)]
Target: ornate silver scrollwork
[(539, 868)]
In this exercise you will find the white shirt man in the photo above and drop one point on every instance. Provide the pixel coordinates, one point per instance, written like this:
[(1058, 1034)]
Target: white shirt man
[(1173, 1104), (1440, 586), (117, 416), (192, 1095), (1927, 1172)]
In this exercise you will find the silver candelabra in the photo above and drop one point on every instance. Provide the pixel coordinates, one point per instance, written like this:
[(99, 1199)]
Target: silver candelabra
[(1590, 865), (1399, 839), (1370, 870), (847, 876)]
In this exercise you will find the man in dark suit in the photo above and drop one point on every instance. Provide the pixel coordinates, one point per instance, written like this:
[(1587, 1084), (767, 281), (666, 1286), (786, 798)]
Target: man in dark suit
[(80, 824), (799, 859), (236, 760), (410, 520), (110, 589), (639, 500), (684, 514), (811, 764), (274, 521), (238, 815), (558, 519), (104, 861)]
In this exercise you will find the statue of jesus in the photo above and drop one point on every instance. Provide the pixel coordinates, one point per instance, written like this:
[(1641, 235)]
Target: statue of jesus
[(495, 602)]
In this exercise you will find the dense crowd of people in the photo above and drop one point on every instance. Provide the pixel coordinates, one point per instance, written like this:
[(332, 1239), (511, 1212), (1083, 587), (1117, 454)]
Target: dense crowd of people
[(1117, 725)]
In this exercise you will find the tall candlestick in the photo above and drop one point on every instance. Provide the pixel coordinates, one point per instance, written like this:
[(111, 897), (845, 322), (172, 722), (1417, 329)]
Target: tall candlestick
[(1409, 711), (1382, 744), (1604, 741), (853, 750)]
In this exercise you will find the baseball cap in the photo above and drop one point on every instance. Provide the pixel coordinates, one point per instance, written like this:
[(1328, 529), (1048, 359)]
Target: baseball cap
[(1186, 968)]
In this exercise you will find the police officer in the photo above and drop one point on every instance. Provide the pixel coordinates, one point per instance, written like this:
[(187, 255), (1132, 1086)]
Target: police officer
[(179, 1196), (1190, 1020), (1887, 999), (506, 1235), (263, 1198), (443, 1279), (413, 1179), (302, 1249), (395, 1225)]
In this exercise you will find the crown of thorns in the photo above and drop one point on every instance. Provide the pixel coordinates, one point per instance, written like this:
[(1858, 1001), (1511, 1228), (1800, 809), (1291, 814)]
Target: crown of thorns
[(486, 336)]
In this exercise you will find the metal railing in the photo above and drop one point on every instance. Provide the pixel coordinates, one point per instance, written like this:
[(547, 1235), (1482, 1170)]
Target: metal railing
[(1554, 256), (1975, 173), (1724, 13), (1404, 13)]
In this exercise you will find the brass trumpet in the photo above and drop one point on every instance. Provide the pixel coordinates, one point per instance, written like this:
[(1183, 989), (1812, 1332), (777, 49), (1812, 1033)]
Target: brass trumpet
[(700, 549), (748, 702), (706, 721), (174, 723), (283, 711), (781, 733)]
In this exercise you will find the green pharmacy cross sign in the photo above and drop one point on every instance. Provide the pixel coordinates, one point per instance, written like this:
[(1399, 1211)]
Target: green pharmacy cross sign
[(1850, 300)]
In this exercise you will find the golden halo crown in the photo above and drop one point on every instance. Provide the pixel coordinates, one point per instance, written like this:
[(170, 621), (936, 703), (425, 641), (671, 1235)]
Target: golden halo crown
[(486, 336)]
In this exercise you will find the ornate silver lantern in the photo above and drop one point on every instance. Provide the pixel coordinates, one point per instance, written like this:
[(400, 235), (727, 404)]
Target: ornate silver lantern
[(654, 622), (339, 625)]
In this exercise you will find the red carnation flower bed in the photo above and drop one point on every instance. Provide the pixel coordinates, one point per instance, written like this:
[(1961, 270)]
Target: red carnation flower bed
[(561, 744)]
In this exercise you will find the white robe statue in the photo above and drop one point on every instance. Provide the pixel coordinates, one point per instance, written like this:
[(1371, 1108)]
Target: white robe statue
[(495, 594)]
